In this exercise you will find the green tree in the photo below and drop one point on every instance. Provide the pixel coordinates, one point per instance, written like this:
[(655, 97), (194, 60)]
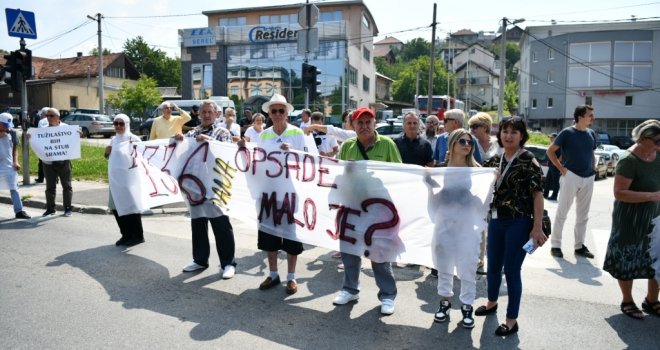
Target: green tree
[(154, 62), (134, 100), (511, 96), (95, 51), (414, 49), (404, 87)]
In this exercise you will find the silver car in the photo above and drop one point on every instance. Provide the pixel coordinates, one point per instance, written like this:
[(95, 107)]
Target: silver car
[(91, 124)]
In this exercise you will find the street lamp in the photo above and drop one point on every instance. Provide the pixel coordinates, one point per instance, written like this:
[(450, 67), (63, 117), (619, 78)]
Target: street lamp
[(505, 21)]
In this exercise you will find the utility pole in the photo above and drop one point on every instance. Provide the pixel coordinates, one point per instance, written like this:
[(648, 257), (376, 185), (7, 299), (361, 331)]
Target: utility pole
[(500, 104), (24, 114), (101, 84), (417, 92), (429, 104)]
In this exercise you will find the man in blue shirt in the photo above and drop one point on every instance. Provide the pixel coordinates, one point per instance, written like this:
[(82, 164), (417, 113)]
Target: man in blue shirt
[(577, 144), (454, 119)]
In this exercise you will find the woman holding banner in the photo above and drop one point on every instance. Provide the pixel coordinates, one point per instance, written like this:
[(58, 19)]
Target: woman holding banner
[(516, 217), (456, 244), (130, 225)]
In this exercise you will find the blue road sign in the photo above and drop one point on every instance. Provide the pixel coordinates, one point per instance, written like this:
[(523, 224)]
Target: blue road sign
[(21, 24)]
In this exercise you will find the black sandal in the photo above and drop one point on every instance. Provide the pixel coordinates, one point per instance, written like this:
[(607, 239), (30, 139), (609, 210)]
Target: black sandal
[(631, 310), (651, 308)]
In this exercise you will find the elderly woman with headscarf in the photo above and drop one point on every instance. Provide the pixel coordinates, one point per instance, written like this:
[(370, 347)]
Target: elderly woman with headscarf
[(130, 225)]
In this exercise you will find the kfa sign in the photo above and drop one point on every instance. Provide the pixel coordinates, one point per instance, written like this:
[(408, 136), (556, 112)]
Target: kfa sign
[(262, 34), (198, 37)]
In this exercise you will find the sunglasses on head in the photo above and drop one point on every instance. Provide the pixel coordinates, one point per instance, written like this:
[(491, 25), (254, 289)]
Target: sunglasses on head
[(512, 119), (118, 123), (464, 142), (280, 111)]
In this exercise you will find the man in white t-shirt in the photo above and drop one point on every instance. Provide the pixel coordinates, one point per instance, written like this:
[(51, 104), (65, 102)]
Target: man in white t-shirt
[(326, 144)]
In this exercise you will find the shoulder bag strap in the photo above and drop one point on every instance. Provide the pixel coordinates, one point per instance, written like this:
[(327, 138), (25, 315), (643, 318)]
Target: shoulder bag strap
[(361, 148)]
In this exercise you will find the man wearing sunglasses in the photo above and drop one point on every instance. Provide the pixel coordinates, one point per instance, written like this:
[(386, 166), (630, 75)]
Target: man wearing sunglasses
[(431, 133), (283, 136), (454, 119), (168, 125), (577, 144)]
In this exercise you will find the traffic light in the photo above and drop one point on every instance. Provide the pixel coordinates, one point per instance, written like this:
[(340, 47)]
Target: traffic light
[(10, 72), (310, 80), (23, 61)]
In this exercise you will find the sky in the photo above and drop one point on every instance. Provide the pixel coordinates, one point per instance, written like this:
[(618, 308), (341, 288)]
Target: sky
[(63, 28)]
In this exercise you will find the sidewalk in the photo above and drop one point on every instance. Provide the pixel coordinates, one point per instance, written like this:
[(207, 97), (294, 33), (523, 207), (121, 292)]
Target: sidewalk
[(89, 197)]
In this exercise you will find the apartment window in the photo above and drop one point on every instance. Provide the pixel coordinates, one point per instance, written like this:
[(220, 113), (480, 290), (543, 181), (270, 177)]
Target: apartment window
[(534, 82), (629, 100), (533, 103), (365, 83), (232, 22), (534, 56), (73, 101), (588, 100), (279, 19), (234, 91), (632, 75), (330, 16), (365, 21), (632, 51), (352, 75), (550, 79), (590, 52), (366, 54), (551, 53), (550, 102)]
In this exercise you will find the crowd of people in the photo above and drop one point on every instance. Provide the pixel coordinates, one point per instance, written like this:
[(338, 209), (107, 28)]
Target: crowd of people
[(514, 218)]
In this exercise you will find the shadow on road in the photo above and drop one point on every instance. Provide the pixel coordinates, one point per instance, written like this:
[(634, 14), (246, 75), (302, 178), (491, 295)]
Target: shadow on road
[(140, 283)]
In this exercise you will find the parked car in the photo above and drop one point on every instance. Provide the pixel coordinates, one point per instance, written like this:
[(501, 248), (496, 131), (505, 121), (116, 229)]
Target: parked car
[(390, 128), (609, 162), (603, 138), (541, 156), (623, 142), (145, 127), (600, 168), (91, 124)]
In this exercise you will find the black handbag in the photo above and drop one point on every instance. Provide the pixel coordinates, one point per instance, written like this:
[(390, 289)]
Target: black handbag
[(546, 225)]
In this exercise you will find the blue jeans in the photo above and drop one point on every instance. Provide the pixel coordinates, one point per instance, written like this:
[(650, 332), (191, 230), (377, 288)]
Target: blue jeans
[(505, 240), (16, 200)]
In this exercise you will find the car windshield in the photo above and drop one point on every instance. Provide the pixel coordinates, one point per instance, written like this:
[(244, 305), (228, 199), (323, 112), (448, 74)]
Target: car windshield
[(103, 118)]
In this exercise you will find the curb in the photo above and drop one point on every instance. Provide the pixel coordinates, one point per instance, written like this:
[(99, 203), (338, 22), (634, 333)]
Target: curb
[(91, 209)]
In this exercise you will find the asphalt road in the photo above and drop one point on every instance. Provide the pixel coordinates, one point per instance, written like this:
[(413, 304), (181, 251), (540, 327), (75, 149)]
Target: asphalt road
[(64, 285)]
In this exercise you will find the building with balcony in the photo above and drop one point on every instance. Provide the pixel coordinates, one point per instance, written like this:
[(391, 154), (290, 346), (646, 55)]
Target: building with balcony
[(477, 80), (252, 53), (615, 67)]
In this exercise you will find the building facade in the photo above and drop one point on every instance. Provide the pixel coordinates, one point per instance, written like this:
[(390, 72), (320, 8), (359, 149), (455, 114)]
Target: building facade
[(476, 77), (252, 53), (612, 66)]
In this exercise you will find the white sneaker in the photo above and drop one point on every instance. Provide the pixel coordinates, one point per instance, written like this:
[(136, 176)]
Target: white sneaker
[(193, 266), (387, 307), (228, 272), (344, 297)]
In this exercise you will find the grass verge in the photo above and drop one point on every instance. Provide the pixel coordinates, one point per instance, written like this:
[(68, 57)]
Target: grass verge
[(91, 166)]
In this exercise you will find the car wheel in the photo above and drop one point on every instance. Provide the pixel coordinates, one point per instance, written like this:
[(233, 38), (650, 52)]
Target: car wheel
[(85, 133)]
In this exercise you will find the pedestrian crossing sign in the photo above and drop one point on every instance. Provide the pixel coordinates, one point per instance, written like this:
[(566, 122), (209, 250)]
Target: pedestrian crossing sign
[(21, 24)]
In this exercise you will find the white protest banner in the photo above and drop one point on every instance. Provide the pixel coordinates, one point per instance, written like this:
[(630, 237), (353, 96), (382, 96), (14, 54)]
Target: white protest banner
[(137, 185), (383, 211), (56, 142)]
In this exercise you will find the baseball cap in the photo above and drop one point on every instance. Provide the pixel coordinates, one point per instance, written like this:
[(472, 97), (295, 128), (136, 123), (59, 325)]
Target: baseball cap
[(362, 111), (6, 120)]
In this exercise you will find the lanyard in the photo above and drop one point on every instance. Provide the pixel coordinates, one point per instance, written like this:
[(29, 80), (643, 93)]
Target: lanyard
[(501, 177)]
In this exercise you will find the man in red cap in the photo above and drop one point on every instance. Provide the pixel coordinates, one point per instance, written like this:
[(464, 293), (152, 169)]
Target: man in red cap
[(368, 145)]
